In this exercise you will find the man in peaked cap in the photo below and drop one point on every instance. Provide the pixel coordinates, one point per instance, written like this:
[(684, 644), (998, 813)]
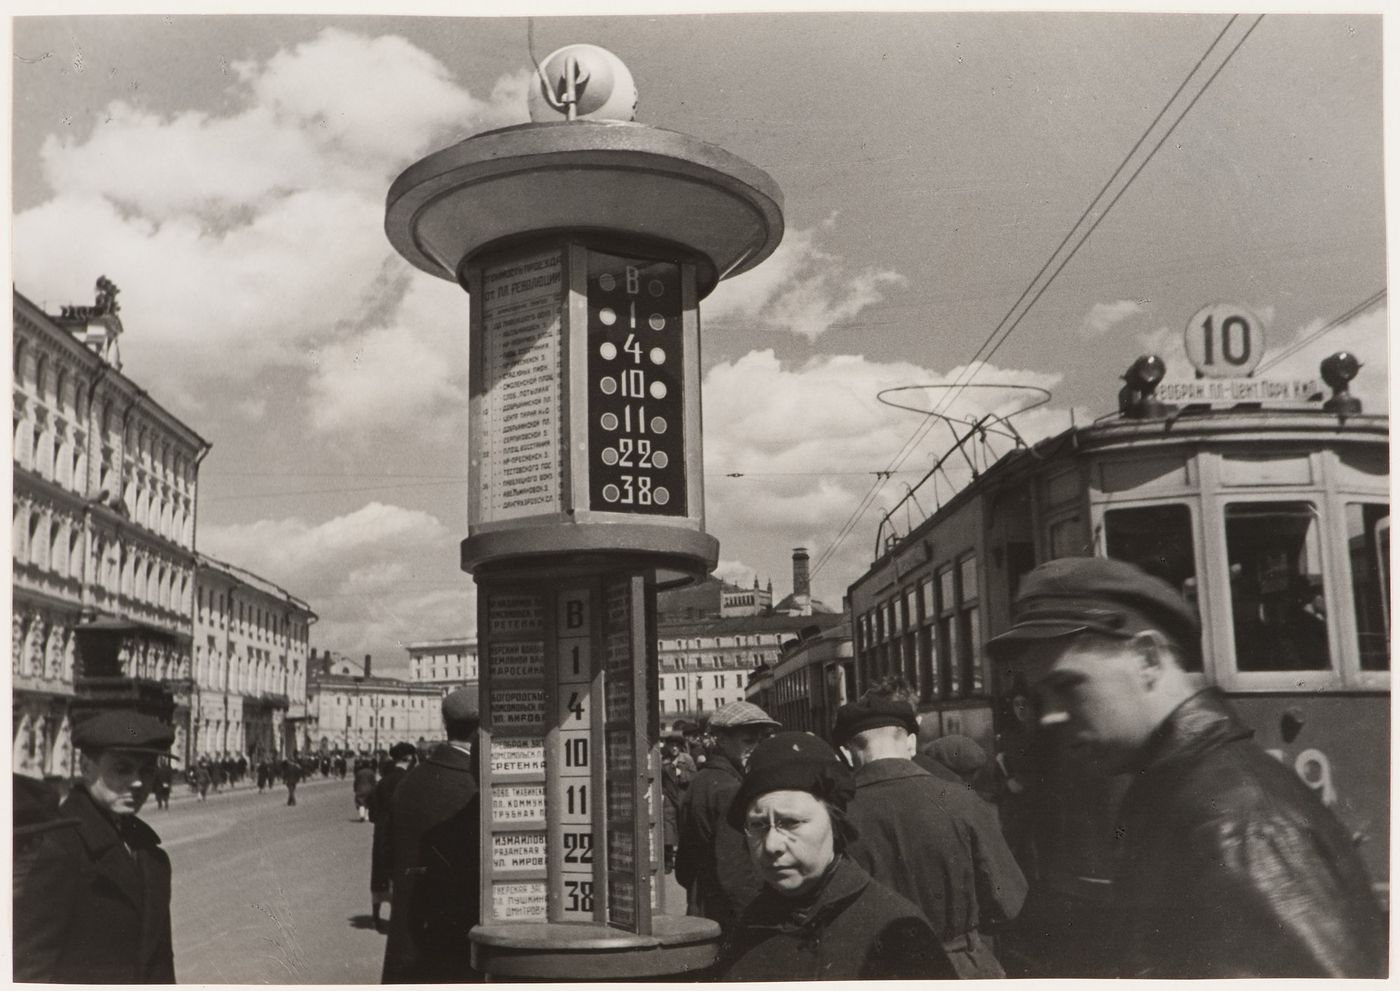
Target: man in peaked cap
[(712, 860), (434, 834), (93, 905), (1229, 865), (933, 841)]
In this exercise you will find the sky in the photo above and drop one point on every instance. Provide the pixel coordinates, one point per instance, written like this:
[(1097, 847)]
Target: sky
[(229, 174)]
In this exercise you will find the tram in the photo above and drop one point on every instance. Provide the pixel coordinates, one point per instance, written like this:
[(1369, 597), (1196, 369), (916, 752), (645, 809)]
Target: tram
[(1272, 520)]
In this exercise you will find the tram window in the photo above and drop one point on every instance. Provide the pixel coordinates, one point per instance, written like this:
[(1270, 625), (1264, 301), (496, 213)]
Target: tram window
[(1158, 539), (1368, 550), (1276, 591), (928, 688)]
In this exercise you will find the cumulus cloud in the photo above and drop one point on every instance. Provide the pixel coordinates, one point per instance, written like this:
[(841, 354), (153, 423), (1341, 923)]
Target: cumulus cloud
[(412, 368), (808, 441), (254, 239), (1103, 317), (800, 288), (378, 578)]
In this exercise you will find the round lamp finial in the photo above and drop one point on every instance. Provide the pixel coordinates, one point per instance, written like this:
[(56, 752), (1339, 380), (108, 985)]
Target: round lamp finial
[(582, 82)]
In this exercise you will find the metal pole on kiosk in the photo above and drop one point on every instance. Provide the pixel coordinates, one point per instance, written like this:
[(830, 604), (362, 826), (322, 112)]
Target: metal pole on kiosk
[(585, 242)]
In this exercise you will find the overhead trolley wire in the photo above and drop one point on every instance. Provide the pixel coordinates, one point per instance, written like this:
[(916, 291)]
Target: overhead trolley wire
[(978, 361), (1328, 327)]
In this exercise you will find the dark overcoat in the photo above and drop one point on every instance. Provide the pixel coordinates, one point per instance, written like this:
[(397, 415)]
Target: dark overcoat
[(852, 929), (381, 811), (939, 845), (712, 859), (1232, 867), (435, 838), (88, 910)]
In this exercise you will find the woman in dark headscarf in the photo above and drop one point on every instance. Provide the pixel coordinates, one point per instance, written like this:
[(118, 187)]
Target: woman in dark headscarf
[(820, 916)]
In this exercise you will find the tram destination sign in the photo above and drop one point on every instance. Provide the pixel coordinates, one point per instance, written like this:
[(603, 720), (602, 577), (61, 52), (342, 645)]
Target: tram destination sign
[(517, 461), (636, 401), (1228, 391)]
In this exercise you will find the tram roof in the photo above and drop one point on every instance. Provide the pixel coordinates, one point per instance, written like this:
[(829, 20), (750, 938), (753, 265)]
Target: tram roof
[(1188, 425)]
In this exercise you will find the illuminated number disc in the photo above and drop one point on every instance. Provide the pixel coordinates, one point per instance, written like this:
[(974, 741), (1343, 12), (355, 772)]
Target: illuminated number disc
[(658, 390), (658, 425), (658, 356), (608, 350), (606, 282), (608, 315), (608, 384), (611, 493), (660, 459), (609, 456), (609, 421), (656, 287), (660, 496), (657, 321)]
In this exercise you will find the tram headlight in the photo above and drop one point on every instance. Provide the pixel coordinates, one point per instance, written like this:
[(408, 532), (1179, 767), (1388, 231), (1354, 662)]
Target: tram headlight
[(1136, 399), (1337, 371)]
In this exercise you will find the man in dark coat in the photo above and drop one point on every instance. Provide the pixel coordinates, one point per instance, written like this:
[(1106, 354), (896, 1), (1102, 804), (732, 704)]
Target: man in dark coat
[(712, 861), (92, 902), (381, 813), (435, 835), (291, 776), (1230, 866), (933, 841)]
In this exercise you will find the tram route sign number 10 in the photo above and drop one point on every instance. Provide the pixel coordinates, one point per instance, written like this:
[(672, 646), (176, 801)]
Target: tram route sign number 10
[(1224, 341), (636, 400)]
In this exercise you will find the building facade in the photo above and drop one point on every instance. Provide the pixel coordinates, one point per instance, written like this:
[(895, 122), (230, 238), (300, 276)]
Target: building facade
[(251, 654), (351, 709), (445, 664), (705, 664), (102, 538)]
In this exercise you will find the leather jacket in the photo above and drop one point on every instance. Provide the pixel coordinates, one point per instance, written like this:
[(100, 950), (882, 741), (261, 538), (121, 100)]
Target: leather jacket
[(1231, 866)]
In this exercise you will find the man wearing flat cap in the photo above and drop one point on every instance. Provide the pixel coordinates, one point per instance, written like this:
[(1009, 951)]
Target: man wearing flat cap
[(435, 836), (93, 906), (712, 860), (1229, 866), (933, 841)]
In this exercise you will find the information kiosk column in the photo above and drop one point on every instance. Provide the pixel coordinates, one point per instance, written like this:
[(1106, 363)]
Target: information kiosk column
[(586, 245)]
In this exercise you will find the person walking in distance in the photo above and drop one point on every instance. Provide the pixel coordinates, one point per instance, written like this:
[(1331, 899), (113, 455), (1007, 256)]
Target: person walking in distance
[(92, 905), (165, 779), (363, 785), (935, 842), (436, 843), (291, 776), (1229, 866), (712, 861), (381, 811)]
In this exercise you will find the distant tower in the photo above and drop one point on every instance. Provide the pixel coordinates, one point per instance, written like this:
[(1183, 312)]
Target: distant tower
[(801, 577)]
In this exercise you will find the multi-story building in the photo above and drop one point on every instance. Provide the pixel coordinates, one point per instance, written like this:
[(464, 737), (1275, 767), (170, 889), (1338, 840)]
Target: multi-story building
[(705, 664), (250, 664), (713, 635), (350, 708), (445, 664), (102, 540)]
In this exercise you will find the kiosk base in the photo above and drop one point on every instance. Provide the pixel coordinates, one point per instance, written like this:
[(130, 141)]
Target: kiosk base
[(680, 947)]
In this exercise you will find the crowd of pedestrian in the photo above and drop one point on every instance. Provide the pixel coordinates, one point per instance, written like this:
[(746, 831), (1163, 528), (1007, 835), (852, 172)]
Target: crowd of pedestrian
[(878, 857), (885, 857)]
